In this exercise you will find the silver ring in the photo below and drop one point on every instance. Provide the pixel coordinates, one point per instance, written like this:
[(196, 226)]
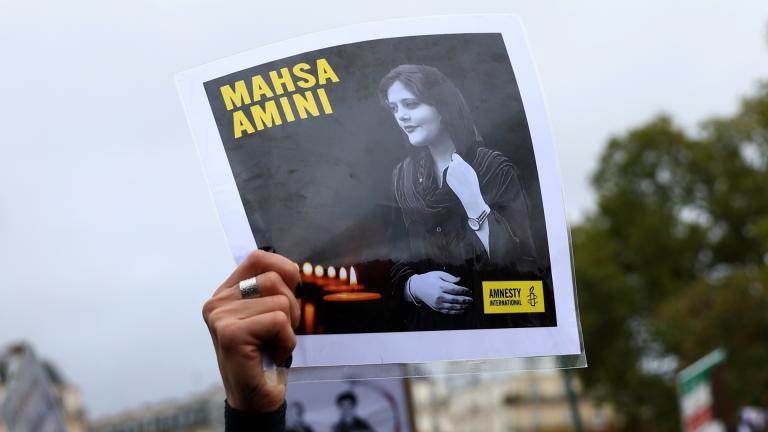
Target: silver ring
[(249, 288)]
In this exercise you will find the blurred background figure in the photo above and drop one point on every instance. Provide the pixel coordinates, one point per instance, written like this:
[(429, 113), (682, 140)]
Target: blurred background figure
[(753, 419), (348, 419), (294, 418)]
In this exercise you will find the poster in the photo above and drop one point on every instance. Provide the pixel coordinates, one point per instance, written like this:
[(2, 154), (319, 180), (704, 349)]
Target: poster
[(358, 405), (408, 168)]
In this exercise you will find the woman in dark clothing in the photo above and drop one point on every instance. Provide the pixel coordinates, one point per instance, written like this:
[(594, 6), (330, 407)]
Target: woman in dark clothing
[(294, 418), (349, 421), (463, 208)]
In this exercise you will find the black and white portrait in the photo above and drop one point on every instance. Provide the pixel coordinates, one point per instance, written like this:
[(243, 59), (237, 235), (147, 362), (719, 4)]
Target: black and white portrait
[(348, 406), (411, 178), (464, 209), (419, 176)]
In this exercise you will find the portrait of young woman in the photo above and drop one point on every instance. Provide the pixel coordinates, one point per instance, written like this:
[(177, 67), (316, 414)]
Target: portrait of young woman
[(462, 207), (415, 186)]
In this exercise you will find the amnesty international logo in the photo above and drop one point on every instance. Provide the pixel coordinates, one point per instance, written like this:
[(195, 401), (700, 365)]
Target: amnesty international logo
[(508, 297), (532, 297)]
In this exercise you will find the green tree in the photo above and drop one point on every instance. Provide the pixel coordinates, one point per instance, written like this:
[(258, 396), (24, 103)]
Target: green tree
[(671, 264)]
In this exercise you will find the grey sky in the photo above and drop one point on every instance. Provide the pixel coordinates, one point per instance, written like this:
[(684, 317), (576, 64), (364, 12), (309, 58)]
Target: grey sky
[(109, 242)]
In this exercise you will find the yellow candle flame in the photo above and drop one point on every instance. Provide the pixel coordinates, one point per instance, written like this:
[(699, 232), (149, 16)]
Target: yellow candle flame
[(352, 276), (307, 269), (343, 274), (319, 271), (331, 272)]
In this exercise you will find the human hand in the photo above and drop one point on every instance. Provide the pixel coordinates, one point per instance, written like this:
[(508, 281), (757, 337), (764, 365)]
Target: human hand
[(245, 330), (439, 291), (462, 179)]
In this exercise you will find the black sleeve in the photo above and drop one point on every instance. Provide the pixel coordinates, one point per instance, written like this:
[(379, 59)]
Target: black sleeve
[(511, 240), (402, 266), (236, 420), (401, 269)]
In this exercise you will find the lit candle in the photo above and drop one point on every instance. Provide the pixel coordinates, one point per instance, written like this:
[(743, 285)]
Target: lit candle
[(319, 271), (309, 318), (353, 285), (307, 269), (331, 272), (343, 286)]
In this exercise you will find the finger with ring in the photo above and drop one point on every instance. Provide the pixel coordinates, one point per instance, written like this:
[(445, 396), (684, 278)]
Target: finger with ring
[(249, 288)]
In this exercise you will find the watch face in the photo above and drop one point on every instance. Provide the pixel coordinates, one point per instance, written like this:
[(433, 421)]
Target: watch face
[(473, 224)]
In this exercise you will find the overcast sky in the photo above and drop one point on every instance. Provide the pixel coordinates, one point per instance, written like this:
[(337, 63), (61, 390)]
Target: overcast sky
[(109, 242)]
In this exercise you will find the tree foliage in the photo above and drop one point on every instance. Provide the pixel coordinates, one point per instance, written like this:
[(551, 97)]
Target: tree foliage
[(671, 264)]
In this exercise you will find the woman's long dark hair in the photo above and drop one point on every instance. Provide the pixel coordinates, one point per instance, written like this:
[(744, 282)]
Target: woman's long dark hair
[(432, 87)]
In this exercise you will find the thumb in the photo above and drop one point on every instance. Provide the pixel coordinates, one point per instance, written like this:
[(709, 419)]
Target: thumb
[(448, 277)]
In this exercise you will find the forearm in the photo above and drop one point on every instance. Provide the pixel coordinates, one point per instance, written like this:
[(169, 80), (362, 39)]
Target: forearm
[(408, 295)]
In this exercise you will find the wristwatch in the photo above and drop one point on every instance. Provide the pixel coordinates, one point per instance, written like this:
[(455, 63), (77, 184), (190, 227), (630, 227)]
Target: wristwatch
[(476, 223)]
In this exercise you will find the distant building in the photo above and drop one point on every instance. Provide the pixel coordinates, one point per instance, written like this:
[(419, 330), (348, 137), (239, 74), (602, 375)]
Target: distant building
[(504, 402), (66, 397), (199, 413)]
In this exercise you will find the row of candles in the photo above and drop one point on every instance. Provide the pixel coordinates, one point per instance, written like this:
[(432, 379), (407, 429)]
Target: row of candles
[(326, 278), (330, 279), (334, 282)]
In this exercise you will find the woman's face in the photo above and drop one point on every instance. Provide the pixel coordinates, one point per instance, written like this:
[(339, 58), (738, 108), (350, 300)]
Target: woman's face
[(421, 122)]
